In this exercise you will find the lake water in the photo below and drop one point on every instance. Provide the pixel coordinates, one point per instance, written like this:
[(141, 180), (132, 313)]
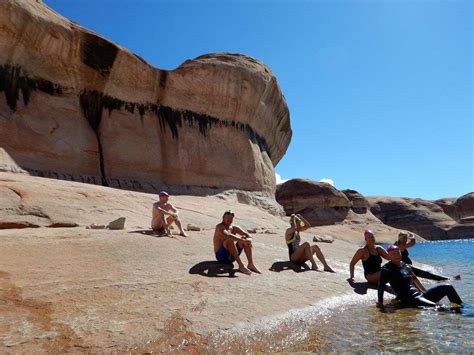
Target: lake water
[(363, 328)]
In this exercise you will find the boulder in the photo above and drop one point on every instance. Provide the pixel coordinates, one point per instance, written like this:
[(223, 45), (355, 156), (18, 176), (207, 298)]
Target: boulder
[(318, 202), (424, 218), (79, 107), (465, 205), (448, 206), (359, 203), (463, 230)]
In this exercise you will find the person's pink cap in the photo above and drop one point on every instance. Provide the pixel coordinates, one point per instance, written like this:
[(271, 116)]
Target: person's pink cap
[(392, 247), (163, 193)]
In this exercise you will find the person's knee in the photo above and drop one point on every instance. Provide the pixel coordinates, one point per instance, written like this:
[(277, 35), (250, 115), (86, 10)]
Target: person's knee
[(316, 248), (228, 244), (245, 245)]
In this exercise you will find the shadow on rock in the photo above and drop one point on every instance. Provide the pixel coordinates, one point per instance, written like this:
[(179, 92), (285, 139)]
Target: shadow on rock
[(149, 232), (362, 287), (213, 269), (288, 265)]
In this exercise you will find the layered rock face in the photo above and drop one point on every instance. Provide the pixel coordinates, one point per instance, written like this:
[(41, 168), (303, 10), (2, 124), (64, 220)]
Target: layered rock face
[(77, 106), (322, 204), (448, 206), (318, 202), (359, 203), (465, 206), (419, 216)]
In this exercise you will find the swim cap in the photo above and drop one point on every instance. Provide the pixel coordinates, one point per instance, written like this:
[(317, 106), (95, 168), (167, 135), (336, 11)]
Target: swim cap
[(229, 212), (163, 193), (392, 247), (402, 234)]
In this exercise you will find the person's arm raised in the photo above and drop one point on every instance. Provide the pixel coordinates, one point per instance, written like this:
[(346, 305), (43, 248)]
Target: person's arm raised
[(306, 226), (411, 240)]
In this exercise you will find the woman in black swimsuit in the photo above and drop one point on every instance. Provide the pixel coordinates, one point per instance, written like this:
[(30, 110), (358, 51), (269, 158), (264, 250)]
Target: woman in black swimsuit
[(371, 255)]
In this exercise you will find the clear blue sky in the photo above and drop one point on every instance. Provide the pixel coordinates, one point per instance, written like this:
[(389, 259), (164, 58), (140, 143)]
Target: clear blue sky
[(380, 92)]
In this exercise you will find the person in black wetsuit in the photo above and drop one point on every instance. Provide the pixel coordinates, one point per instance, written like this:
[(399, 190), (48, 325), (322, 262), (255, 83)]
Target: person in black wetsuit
[(407, 240), (300, 253), (371, 255), (406, 285)]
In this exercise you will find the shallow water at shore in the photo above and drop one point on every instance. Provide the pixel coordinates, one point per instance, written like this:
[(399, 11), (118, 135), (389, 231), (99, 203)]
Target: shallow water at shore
[(365, 328), (353, 323)]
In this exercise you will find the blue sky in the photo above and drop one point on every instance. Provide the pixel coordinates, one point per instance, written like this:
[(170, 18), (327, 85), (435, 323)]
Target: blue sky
[(380, 92)]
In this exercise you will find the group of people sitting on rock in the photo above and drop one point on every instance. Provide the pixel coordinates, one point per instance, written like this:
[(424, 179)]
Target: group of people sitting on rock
[(230, 240), (400, 273)]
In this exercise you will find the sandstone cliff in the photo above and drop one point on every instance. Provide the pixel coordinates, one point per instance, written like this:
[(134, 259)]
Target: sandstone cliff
[(77, 106), (318, 202), (322, 204)]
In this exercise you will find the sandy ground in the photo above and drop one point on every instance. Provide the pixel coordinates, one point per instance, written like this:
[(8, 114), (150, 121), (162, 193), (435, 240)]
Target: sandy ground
[(72, 289), (83, 290)]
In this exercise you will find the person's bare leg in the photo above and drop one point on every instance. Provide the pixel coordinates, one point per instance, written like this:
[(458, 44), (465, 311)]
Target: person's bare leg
[(181, 230), (248, 253), (161, 226), (315, 250), (373, 278), (230, 246), (302, 254), (169, 221)]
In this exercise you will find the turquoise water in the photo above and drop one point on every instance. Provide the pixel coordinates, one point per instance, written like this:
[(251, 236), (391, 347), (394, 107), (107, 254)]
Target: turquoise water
[(363, 328)]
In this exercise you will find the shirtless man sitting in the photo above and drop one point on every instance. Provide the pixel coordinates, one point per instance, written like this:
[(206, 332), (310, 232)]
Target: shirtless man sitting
[(230, 240), (159, 223)]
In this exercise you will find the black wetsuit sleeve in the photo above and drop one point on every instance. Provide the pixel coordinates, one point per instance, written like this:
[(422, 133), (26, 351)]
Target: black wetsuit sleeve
[(384, 278)]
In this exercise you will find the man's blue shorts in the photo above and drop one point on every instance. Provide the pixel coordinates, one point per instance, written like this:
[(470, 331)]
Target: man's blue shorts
[(223, 255)]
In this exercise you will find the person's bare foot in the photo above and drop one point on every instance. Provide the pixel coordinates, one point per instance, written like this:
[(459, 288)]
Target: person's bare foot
[(315, 267), (183, 234), (253, 268), (328, 269), (244, 270)]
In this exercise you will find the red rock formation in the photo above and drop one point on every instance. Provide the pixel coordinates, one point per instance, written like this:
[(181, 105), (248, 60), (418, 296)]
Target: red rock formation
[(359, 203), (422, 217), (77, 106), (320, 203)]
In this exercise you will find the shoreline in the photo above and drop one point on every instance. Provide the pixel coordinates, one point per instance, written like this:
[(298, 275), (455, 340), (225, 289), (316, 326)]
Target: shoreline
[(96, 290), (77, 289)]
